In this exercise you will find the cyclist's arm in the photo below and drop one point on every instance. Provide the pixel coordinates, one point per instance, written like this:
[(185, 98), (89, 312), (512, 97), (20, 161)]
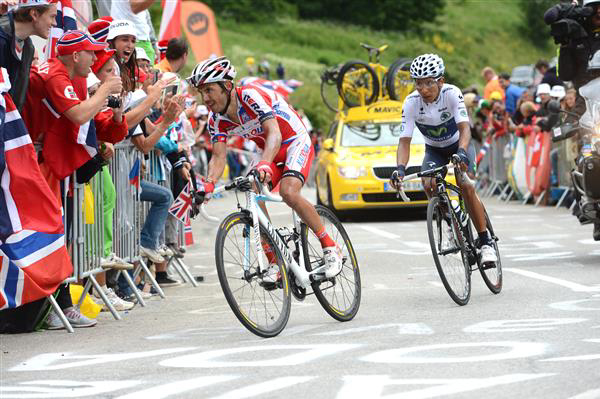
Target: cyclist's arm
[(403, 153), (464, 137), (273, 139), (217, 162)]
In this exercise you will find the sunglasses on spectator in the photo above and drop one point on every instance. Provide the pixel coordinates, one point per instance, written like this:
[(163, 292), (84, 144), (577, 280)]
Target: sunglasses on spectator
[(426, 84)]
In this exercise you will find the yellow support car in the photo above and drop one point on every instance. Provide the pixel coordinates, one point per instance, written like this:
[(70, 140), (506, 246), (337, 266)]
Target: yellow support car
[(358, 157)]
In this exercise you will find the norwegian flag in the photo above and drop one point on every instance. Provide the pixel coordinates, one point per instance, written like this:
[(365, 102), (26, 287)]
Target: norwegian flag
[(33, 258), (65, 21), (189, 236), (182, 204), (282, 87), (134, 174), (170, 23), (484, 149)]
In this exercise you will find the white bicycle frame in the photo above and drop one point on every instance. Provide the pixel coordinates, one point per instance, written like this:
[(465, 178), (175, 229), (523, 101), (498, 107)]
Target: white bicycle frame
[(303, 278)]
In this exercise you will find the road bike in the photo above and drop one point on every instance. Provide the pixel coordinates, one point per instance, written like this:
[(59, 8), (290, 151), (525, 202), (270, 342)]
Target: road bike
[(454, 248), (259, 293)]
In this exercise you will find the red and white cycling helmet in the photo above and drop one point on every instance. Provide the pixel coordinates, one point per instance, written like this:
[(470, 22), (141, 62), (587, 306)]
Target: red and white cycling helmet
[(212, 70), (427, 66)]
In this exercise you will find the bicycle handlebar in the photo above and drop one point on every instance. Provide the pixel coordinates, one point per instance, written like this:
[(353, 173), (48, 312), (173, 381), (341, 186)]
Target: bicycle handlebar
[(245, 183), (454, 163)]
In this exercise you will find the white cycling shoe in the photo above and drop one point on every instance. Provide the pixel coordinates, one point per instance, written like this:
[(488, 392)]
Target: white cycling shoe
[(488, 254), (272, 274), (333, 261)]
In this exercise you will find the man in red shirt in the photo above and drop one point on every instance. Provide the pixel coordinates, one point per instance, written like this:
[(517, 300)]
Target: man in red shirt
[(58, 111)]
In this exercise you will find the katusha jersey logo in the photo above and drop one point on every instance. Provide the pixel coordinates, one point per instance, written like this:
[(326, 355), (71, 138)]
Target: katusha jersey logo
[(70, 93), (445, 116)]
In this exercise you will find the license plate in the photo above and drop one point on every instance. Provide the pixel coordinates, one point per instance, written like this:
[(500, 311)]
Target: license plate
[(408, 186)]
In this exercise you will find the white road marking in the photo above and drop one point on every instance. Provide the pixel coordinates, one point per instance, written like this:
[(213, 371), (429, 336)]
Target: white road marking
[(173, 388), (401, 328), (277, 356), (62, 389), (403, 355), (591, 394), (529, 257), (373, 386), (47, 361), (553, 280), (264, 387), (380, 232), (436, 283), (574, 306), (496, 326), (540, 237)]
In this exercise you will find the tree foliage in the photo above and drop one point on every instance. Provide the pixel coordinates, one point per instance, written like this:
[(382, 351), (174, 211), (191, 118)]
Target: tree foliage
[(251, 10), (534, 26), (397, 15)]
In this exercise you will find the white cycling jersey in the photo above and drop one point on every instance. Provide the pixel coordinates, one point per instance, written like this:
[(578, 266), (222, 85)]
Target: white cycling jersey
[(438, 121)]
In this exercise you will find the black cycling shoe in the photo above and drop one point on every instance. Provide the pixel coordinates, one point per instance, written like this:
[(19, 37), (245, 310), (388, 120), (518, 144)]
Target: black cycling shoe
[(596, 231)]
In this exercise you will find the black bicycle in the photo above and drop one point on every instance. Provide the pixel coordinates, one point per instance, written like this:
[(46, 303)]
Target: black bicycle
[(455, 251)]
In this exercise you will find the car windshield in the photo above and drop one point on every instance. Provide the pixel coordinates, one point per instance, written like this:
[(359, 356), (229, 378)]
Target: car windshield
[(375, 134)]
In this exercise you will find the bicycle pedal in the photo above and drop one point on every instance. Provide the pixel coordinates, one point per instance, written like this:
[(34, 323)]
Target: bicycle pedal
[(489, 265)]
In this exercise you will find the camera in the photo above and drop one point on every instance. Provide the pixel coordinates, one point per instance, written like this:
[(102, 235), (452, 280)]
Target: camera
[(566, 22), (114, 102)]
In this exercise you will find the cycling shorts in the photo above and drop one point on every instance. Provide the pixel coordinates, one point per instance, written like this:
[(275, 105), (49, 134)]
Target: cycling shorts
[(436, 157), (294, 159)]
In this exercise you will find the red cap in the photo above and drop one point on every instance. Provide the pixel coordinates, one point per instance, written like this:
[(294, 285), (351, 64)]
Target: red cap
[(75, 40), (103, 56), (162, 48), (99, 28)]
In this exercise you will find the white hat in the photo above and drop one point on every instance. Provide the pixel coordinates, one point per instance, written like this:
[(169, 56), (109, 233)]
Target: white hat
[(92, 79), (121, 27), (558, 92), (140, 54), (543, 88), (32, 3)]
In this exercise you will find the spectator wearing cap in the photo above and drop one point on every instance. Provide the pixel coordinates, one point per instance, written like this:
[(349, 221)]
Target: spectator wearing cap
[(558, 93), (56, 108), (32, 17), (175, 57), (136, 11), (99, 28), (491, 83), (543, 93), (512, 93), (549, 75)]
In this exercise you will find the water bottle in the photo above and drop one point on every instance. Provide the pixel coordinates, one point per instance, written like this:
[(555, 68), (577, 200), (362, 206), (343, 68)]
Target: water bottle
[(462, 217)]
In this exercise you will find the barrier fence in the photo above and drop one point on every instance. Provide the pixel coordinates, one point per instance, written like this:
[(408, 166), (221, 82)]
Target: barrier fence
[(87, 205)]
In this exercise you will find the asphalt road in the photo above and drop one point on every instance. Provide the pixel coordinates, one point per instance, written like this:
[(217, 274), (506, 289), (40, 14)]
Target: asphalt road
[(539, 338)]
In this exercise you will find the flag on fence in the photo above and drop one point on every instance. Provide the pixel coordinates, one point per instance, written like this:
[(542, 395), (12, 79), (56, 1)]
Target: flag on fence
[(134, 174), (189, 236), (484, 149), (170, 23), (182, 204), (65, 20), (33, 258)]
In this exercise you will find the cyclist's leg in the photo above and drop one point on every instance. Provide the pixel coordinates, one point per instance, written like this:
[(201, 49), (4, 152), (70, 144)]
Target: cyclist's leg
[(434, 157), (473, 203)]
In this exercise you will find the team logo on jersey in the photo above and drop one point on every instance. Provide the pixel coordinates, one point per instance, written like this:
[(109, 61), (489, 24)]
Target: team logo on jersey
[(445, 116), (70, 93), (244, 117), (437, 132), (463, 112)]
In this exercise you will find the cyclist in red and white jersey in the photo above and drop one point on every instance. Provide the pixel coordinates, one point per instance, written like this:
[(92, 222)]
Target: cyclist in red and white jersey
[(263, 116)]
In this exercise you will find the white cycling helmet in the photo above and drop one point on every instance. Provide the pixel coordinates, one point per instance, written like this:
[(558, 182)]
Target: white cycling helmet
[(427, 66), (212, 70), (590, 2)]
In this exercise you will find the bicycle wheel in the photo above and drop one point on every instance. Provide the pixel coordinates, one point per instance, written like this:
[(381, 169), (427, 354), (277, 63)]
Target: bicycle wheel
[(398, 82), (449, 252), (329, 93), (492, 276), (263, 308), (340, 295), (357, 84)]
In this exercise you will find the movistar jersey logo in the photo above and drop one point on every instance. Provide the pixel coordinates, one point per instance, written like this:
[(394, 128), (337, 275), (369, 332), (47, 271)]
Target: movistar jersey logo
[(440, 132)]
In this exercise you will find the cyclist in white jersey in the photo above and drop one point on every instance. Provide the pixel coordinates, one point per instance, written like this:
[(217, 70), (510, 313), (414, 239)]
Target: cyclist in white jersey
[(438, 110)]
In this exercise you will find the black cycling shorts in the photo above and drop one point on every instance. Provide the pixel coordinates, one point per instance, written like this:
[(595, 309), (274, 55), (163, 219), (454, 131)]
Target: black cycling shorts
[(435, 156)]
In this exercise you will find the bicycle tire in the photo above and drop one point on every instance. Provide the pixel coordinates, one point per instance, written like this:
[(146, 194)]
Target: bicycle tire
[(326, 291), (462, 277), (327, 102), (488, 274), (276, 295), (393, 85), (351, 80)]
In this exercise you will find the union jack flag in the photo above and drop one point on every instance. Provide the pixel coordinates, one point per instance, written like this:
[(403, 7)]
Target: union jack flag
[(65, 21), (182, 204), (33, 256)]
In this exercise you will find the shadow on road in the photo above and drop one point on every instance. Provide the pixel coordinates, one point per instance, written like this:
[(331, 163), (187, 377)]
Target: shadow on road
[(385, 215)]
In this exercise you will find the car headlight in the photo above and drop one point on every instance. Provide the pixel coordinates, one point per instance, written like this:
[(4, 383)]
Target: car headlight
[(352, 172)]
